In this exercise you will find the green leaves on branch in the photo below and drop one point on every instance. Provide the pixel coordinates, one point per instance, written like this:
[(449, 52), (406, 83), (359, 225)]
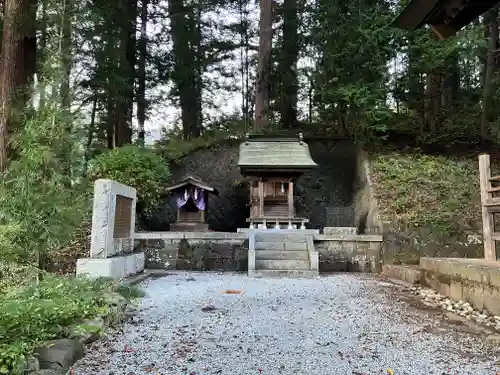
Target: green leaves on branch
[(139, 167)]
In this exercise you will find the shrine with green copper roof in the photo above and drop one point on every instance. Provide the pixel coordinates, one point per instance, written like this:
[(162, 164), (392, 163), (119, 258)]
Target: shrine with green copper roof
[(273, 165)]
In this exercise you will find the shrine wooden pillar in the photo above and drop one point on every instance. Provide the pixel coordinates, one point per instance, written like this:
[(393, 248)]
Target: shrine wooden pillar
[(290, 200), (261, 198)]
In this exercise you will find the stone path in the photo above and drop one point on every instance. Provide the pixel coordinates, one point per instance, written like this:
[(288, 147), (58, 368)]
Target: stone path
[(337, 324)]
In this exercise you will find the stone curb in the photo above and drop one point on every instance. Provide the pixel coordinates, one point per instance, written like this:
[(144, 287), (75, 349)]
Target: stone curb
[(59, 355)]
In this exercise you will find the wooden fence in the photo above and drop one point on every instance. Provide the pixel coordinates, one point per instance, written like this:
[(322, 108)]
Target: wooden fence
[(490, 205)]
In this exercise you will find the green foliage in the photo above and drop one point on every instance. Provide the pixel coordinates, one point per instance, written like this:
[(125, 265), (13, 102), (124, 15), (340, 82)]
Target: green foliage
[(139, 167), (173, 147), (15, 274), (39, 312), (40, 207), (419, 190)]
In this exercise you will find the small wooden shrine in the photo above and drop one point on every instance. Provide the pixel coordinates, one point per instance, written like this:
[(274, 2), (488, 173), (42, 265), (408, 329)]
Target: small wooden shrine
[(273, 165), (191, 199), (446, 17)]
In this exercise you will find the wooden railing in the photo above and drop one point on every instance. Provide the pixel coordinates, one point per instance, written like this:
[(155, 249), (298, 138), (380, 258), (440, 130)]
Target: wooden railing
[(490, 205)]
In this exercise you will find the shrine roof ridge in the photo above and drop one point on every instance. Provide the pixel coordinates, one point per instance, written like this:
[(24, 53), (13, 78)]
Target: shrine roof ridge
[(269, 153), (191, 180)]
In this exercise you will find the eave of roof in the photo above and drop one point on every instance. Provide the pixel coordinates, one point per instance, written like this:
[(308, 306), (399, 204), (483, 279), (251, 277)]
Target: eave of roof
[(192, 181), (445, 16), (269, 154), (414, 14)]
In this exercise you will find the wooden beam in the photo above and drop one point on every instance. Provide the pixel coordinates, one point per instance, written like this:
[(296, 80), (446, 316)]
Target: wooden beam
[(290, 200), (261, 197), (487, 216), (443, 31)]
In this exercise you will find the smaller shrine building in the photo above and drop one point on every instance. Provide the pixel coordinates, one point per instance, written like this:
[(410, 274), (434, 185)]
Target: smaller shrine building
[(191, 200)]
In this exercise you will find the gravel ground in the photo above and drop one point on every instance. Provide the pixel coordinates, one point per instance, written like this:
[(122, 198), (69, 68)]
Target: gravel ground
[(337, 324)]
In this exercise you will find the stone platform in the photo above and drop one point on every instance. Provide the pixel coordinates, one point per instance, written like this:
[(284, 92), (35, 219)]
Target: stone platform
[(476, 281), (345, 251), (407, 273), (117, 267)]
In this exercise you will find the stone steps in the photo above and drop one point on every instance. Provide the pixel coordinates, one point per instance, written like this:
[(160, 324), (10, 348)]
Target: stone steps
[(281, 246), (280, 237), (283, 273), (286, 265), (276, 254), (281, 255)]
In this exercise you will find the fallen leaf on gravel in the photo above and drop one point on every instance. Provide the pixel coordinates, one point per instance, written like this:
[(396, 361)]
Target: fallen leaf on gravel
[(233, 291), (208, 308), (390, 371)]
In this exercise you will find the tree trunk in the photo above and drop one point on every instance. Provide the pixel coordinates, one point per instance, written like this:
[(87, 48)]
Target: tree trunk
[(198, 71), (263, 73), (66, 59), (451, 83), (90, 134), (43, 45), (490, 69), (125, 104), (110, 121), (243, 29), (141, 89), (184, 65), (16, 64), (432, 100), (290, 55)]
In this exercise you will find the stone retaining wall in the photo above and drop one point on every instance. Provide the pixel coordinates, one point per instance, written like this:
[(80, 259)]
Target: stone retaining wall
[(349, 253), (194, 251), (476, 281), (229, 251)]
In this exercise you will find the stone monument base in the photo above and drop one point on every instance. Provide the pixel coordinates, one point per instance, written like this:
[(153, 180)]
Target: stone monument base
[(115, 267)]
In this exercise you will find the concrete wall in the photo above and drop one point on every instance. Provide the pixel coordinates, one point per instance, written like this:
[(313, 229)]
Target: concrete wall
[(228, 251), (476, 281)]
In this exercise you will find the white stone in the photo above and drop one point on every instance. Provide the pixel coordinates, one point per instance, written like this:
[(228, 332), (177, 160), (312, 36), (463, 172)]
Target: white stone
[(115, 268), (103, 244)]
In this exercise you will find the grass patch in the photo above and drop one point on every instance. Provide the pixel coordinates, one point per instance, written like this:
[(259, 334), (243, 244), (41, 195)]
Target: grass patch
[(417, 190), (34, 313)]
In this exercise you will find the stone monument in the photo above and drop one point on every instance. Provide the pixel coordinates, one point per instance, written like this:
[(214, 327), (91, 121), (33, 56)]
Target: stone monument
[(113, 225)]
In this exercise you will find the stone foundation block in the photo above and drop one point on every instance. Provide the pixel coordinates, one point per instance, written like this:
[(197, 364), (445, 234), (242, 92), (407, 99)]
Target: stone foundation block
[(115, 268)]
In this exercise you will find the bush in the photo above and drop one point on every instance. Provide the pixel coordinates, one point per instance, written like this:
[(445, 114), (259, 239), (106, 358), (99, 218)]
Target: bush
[(139, 167), (33, 314), (40, 207)]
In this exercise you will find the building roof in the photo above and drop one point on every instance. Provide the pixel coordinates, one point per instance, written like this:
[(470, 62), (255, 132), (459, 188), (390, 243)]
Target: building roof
[(445, 16), (190, 180), (275, 153)]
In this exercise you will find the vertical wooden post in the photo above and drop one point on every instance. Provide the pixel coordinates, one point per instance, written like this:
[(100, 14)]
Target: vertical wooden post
[(290, 200), (488, 224), (261, 198)]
